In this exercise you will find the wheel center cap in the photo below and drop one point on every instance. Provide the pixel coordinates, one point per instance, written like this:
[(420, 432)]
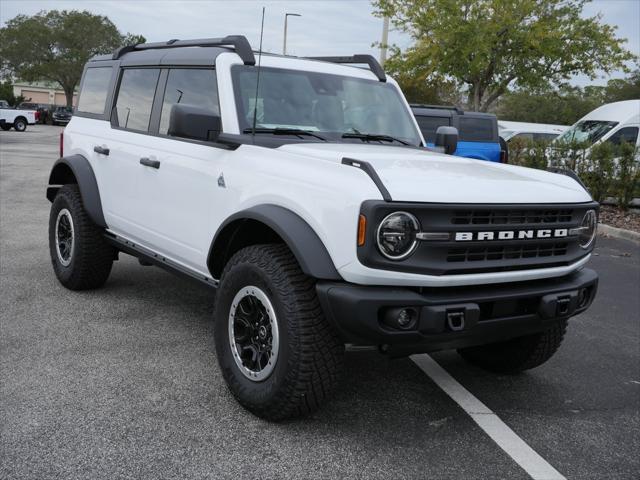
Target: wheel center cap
[(262, 332)]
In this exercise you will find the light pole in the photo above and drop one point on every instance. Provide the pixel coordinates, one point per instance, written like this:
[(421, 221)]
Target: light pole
[(284, 43), (385, 41)]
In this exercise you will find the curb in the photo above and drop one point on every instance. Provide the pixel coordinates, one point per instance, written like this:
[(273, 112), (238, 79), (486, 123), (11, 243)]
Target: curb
[(619, 233)]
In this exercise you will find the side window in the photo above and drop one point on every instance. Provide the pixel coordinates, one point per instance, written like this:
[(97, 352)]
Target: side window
[(135, 97), (544, 137), (523, 136), (476, 129), (95, 88), (196, 87), (626, 134), (429, 125)]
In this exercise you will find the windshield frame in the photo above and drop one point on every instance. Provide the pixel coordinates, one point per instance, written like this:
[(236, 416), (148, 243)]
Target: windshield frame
[(331, 136)]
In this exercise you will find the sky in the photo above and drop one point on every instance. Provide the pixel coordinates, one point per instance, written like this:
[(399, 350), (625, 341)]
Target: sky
[(326, 27)]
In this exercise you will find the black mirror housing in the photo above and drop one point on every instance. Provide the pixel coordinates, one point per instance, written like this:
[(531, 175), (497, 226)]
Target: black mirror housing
[(447, 137), (188, 121)]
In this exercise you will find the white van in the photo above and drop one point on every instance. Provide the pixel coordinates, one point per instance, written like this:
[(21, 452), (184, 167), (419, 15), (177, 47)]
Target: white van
[(529, 131), (614, 122)]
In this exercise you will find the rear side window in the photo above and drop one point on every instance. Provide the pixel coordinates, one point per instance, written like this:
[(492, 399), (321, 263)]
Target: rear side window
[(475, 129), (193, 87), (626, 135), (135, 98), (429, 125), (95, 87)]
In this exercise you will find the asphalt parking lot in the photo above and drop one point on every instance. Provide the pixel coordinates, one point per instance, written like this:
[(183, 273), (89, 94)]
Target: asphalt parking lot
[(122, 382)]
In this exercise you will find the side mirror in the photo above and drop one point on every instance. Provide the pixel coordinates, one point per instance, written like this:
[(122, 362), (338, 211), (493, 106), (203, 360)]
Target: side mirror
[(196, 123), (447, 137)]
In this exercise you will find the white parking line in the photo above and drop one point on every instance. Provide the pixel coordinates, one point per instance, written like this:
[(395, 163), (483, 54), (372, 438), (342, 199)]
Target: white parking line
[(532, 463)]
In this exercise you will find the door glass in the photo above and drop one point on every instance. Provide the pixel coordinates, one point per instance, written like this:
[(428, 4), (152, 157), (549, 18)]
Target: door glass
[(95, 87), (135, 98), (476, 129), (429, 125), (626, 135), (189, 87)]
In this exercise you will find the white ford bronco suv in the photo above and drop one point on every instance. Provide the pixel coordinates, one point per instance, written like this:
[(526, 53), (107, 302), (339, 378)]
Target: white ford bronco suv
[(300, 190)]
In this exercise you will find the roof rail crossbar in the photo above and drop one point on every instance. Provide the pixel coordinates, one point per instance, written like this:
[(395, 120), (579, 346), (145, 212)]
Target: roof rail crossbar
[(438, 107), (239, 42), (375, 67)]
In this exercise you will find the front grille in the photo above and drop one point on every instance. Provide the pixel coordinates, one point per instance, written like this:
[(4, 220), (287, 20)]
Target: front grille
[(511, 217), (477, 254), (516, 243)]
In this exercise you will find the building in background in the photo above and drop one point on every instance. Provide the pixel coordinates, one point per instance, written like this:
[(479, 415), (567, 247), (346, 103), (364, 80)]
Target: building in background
[(42, 92)]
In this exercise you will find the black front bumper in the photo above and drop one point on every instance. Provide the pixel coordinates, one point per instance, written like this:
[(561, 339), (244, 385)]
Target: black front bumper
[(453, 317)]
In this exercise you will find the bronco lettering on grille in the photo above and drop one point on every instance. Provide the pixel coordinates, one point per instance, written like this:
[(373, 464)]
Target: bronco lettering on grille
[(511, 235)]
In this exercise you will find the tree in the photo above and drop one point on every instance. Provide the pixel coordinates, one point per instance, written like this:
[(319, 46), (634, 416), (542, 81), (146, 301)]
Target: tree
[(618, 90), (562, 106), (422, 90), (491, 45), (55, 45)]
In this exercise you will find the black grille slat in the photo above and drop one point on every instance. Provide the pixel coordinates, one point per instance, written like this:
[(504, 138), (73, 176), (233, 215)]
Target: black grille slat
[(476, 254), (511, 217)]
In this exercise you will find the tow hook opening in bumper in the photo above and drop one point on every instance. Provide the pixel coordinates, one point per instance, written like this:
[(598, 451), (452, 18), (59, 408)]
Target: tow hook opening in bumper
[(455, 320)]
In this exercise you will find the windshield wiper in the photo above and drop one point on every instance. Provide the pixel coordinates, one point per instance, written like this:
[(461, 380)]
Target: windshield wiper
[(285, 131), (373, 137)]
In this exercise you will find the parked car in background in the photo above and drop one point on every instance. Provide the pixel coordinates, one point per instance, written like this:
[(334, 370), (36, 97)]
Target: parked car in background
[(61, 115), (614, 122), (478, 132), (43, 109), (536, 132), (18, 119)]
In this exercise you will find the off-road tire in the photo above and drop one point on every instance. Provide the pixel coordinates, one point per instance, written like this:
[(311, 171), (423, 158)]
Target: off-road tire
[(5, 126), (20, 124), (310, 355), (92, 257), (518, 354)]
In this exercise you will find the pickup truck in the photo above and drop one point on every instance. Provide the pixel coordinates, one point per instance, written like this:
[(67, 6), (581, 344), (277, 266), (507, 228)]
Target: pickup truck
[(18, 119)]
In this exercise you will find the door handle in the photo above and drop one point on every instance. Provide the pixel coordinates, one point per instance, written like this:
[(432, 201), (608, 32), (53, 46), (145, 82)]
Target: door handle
[(147, 162), (101, 150)]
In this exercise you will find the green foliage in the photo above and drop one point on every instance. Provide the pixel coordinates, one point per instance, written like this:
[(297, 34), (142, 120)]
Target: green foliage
[(605, 169), (6, 93), (627, 174), (597, 171), (563, 106), (490, 45), (421, 90), (55, 45), (566, 104), (527, 153), (618, 90)]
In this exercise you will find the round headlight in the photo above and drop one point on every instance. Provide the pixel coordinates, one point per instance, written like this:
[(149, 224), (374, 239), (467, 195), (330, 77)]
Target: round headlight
[(396, 236), (588, 229)]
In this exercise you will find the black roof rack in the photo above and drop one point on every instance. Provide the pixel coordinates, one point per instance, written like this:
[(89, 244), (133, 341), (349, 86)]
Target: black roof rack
[(439, 107), (239, 42), (375, 67)]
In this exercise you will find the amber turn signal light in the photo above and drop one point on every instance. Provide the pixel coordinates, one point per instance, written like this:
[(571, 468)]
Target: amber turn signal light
[(362, 228)]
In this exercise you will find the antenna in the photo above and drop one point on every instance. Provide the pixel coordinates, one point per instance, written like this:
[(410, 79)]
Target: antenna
[(255, 103)]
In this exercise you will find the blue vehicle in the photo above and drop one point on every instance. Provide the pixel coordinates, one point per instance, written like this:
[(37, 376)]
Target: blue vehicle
[(477, 132)]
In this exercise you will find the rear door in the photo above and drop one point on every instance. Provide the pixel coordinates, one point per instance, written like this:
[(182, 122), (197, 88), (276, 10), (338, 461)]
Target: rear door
[(125, 143)]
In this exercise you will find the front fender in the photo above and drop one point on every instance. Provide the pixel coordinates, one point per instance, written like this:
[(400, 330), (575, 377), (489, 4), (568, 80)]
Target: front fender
[(302, 240)]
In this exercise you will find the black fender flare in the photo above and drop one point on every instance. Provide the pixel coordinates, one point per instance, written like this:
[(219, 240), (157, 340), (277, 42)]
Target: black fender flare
[(302, 240), (81, 170)]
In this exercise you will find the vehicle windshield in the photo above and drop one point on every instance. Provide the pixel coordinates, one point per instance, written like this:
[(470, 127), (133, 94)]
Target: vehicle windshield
[(586, 131), (65, 109), (329, 106)]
